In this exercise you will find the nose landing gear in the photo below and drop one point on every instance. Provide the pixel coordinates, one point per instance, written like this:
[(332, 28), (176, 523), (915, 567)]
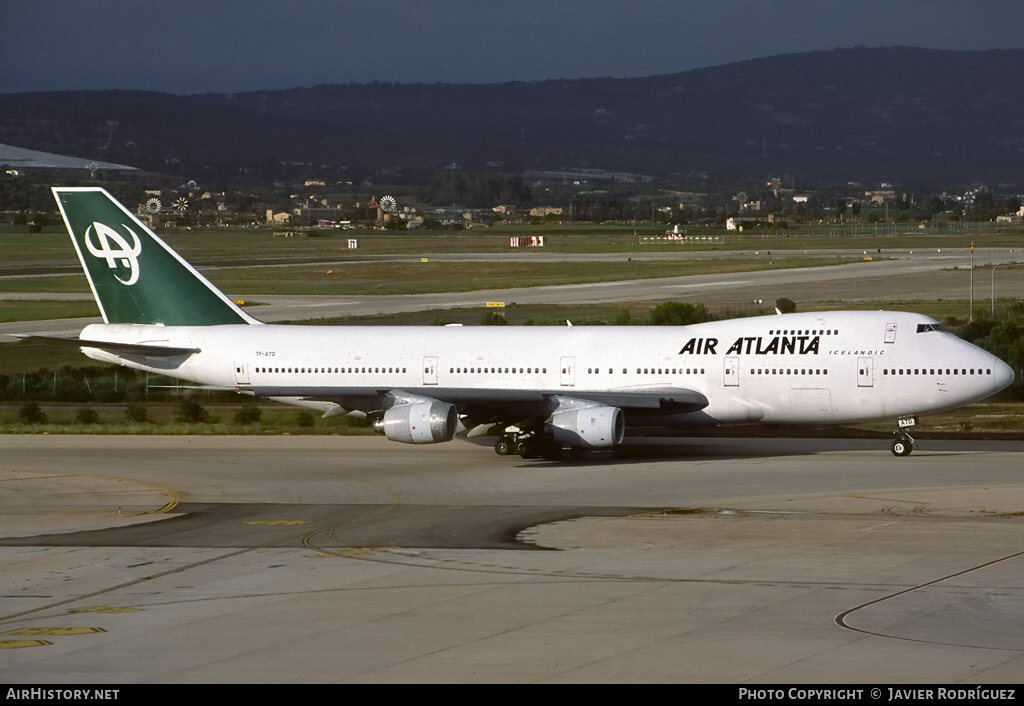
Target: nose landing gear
[(903, 444)]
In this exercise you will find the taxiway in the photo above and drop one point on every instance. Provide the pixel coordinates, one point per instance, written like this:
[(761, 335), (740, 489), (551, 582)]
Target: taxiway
[(354, 559)]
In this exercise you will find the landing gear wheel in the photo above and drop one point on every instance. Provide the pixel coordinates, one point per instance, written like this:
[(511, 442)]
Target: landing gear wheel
[(528, 448), (505, 446), (902, 447)]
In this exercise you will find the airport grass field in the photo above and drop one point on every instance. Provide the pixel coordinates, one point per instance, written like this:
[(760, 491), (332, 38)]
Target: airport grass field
[(52, 246), (249, 263)]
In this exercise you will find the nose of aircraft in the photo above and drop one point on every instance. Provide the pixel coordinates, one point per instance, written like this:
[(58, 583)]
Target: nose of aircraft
[(1002, 375)]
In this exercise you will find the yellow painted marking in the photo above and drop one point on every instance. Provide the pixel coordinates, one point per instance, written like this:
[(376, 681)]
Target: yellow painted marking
[(355, 551), (307, 541), (53, 631), (423, 259), (171, 504), (285, 523), (888, 500), (103, 492), (12, 644), (104, 609), (350, 552)]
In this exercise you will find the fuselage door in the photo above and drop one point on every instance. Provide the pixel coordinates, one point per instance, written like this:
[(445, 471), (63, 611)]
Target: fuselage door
[(430, 370), (732, 371), (890, 333), (241, 373), (568, 375), (865, 372)]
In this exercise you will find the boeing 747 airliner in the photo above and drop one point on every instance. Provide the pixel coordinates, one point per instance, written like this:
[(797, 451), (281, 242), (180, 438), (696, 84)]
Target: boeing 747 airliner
[(539, 390)]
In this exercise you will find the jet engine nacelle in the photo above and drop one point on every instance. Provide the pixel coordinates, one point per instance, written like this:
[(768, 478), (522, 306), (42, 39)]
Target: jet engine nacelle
[(426, 422), (588, 427)]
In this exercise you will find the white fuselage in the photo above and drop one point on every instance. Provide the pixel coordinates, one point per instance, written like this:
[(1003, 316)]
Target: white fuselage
[(823, 367)]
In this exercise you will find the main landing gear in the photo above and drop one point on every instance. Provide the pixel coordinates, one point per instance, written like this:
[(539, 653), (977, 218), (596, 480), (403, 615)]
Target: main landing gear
[(528, 445), (903, 444)]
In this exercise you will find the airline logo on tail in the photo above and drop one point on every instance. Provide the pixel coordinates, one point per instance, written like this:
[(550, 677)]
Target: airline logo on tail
[(126, 255)]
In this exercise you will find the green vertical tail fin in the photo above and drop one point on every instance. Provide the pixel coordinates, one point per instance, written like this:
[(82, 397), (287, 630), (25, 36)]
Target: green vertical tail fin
[(135, 277)]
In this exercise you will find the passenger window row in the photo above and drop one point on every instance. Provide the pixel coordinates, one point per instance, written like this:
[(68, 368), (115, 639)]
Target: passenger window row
[(665, 371), (935, 371), (497, 370), (789, 371), (590, 371), (330, 370)]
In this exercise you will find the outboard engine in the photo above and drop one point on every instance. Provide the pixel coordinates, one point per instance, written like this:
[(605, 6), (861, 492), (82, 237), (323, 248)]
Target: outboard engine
[(426, 422), (599, 426)]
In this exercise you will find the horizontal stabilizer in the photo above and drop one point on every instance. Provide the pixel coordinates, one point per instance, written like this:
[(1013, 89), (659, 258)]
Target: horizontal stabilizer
[(146, 349)]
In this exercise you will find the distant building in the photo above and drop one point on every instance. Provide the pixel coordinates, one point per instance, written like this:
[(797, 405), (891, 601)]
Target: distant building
[(881, 196), (735, 223)]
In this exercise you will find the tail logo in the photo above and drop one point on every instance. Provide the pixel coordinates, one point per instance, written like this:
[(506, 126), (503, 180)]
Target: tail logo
[(119, 254)]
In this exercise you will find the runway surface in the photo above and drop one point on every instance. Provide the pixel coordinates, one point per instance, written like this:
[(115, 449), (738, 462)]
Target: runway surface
[(354, 559)]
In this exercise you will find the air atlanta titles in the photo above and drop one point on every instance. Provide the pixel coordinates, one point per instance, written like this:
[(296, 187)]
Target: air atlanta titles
[(755, 345)]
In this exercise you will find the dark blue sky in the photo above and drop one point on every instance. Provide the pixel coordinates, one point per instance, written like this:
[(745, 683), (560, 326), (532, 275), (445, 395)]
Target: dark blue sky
[(239, 45)]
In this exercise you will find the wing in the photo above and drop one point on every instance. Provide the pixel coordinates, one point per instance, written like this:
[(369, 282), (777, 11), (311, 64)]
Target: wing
[(491, 405)]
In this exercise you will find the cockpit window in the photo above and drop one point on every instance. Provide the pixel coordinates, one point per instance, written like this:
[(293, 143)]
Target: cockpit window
[(922, 328)]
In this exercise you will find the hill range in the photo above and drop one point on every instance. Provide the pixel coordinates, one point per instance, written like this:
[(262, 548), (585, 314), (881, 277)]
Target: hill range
[(863, 114)]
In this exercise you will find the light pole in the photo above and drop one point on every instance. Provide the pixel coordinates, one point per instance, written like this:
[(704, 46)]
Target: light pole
[(992, 314), (971, 316)]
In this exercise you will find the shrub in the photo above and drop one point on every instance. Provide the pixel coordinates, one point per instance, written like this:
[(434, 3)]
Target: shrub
[(192, 412), (678, 314), (87, 415), (31, 413), (136, 413), (493, 318), (786, 306), (248, 414)]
